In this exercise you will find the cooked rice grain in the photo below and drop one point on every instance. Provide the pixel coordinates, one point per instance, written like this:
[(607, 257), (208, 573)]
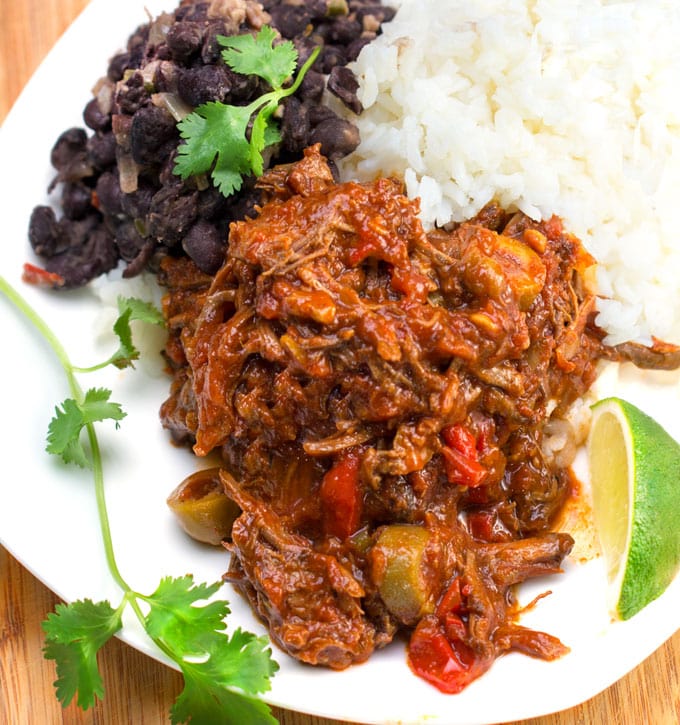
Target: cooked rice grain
[(549, 107)]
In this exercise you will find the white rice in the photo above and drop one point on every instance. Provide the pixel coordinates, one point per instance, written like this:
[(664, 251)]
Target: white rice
[(548, 106)]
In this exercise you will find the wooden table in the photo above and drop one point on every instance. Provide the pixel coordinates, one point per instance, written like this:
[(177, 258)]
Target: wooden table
[(138, 689)]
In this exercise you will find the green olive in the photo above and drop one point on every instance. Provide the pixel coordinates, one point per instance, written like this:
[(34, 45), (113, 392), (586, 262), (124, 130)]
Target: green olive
[(403, 571), (202, 507)]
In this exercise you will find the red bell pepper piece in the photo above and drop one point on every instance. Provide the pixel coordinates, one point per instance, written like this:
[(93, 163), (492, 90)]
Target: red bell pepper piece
[(41, 277), (461, 459), (460, 438), (452, 601), (486, 525), (449, 665), (462, 470), (438, 651), (341, 496)]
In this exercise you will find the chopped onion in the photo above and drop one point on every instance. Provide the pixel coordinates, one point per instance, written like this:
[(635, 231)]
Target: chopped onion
[(121, 124), (149, 73), (159, 28), (128, 173), (103, 92), (172, 103)]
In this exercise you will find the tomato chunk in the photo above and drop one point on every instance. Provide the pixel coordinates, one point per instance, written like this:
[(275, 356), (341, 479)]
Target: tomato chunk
[(341, 496)]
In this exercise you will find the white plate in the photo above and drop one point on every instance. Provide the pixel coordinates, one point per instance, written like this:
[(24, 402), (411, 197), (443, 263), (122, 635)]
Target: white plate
[(48, 518)]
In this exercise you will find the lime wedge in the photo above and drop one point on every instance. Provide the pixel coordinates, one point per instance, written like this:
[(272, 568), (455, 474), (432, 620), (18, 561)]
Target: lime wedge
[(635, 478)]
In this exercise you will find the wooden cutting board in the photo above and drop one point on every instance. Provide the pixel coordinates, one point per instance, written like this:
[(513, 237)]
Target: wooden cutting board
[(138, 689)]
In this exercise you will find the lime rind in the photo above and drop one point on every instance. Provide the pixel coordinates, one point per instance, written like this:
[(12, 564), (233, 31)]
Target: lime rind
[(641, 569)]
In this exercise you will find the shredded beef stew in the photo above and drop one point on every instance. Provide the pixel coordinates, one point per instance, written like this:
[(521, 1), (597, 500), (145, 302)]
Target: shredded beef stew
[(379, 397)]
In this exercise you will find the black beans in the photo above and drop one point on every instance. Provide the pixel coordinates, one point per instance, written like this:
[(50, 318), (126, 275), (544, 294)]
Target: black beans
[(344, 30), (317, 114), (101, 150), (151, 129), (312, 86), (136, 134), (43, 231), (343, 84), (129, 241), (290, 20), (373, 15), (94, 117), (109, 195), (171, 214), (74, 234), (131, 94), (117, 66), (145, 259), (205, 245), (337, 137), (355, 47), (332, 55), (212, 50), (295, 126), (211, 203), (70, 146), (138, 204), (184, 40), (69, 156), (79, 264), (203, 83), (197, 12), (76, 200)]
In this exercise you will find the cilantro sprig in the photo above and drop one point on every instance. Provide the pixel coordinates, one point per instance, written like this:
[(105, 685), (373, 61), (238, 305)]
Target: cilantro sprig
[(223, 673), (227, 140), (129, 309)]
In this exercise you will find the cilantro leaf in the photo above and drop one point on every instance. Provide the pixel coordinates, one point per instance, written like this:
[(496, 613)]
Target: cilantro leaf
[(242, 661), (74, 635), (263, 133), (131, 308), (257, 55), (215, 134), (247, 663), (127, 352), (63, 434), (228, 140), (201, 705), (177, 622), (140, 310), (96, 407), (221, 673)]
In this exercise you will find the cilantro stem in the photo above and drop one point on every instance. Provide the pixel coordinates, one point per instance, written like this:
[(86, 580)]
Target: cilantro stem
[(129, 595), (303, 71), (43, 328), (107, 538), (76, 391), (214, 684), (93, 368), (277, 94)]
